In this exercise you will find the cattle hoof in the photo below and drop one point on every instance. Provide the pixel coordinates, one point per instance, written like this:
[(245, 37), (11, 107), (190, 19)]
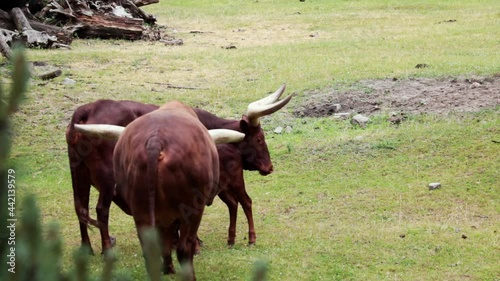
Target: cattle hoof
[(112, 239), (198, 246), (169, 270), (87, 250), (197, 250), (108, 255), (251, 244)]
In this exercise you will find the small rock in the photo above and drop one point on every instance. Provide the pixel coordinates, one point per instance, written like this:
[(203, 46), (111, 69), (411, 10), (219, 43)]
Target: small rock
[(288, 129), (475, 85), (360, 120), (278, 130), (397, 118), (336, 107), (342, 116), (464, 236), (358, 138), (434, 185), (173, 42), (68, 81), (402, 235)]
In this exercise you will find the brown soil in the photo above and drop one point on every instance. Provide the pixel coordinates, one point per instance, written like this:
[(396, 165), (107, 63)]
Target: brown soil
[(412, 96)]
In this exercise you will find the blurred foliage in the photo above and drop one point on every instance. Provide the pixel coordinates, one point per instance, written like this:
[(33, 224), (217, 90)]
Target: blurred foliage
[(8, 105)]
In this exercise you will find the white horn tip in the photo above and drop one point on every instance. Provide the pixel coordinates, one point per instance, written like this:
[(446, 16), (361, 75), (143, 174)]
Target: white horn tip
[(104, 130), (220, 136)]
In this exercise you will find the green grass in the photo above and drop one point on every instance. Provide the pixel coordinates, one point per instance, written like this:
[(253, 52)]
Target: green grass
[(344, 203)]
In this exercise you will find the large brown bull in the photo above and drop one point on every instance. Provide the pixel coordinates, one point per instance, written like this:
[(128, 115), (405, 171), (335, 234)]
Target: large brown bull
[(166, 168), (91, 164)]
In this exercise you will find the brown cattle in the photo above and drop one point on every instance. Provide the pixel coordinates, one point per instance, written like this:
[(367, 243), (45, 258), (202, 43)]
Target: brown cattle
[(90, 158), (166, 169)]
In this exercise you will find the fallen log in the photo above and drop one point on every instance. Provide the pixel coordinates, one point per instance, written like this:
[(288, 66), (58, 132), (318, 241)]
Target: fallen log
[(109, 27), (50, 75), (29, 36)]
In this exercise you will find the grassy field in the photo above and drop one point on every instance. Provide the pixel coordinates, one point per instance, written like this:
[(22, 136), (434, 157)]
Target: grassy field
[(344, 203)]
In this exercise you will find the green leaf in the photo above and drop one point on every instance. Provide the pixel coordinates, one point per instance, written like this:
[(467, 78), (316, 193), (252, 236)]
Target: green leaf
[(20, 77)]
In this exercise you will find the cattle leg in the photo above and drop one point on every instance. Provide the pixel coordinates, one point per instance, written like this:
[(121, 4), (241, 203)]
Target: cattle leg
[(102, 209), (81, 195), (169, 237), (187, 244), (232, 204), (149, 245), (246, 204), (199, 244)]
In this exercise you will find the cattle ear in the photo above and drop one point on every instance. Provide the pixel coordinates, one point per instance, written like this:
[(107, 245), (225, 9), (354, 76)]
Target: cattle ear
[(244, 124)]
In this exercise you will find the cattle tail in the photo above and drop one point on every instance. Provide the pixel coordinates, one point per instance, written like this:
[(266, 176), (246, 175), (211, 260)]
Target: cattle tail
[(153, 148)]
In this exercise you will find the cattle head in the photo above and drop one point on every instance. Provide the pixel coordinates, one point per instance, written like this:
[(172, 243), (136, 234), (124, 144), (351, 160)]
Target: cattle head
[(253, 148)]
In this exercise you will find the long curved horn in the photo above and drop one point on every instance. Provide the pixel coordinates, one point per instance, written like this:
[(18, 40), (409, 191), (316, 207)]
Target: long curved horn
[(112, 132), (225, 136), (272, 97), (266, 106)]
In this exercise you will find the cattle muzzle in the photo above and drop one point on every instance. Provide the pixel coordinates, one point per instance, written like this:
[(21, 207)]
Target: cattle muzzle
[(266, 171)]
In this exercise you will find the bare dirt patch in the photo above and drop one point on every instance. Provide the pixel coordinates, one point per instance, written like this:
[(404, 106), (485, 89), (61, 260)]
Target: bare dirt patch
[(412, 96)]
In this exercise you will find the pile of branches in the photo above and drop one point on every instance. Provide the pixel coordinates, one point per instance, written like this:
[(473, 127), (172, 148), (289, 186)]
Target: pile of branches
[(54, 23)]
